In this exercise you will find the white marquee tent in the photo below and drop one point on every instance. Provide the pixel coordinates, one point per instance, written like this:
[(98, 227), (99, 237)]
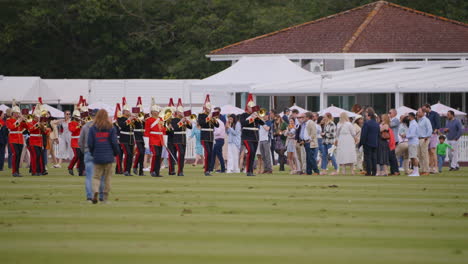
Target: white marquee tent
[(3, 107), (247, 72), (390, 77), (442, 110), (336, 112), (22, 89)]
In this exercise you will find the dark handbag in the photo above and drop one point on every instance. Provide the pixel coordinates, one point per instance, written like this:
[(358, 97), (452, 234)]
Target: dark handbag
[(385, 134)]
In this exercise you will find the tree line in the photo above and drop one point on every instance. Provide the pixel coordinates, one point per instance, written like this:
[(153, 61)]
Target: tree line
[(152, 38)]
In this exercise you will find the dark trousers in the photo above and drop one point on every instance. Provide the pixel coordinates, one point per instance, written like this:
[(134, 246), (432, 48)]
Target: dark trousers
[(9, 156), (218, 153), (156, 159), (36, 159), (180, 149), (393, 162), (2, 155), (78, 160), (118, 161), (370, 157), (272, 148), (208, 149), (171, 156), (139, 156), (127, 150), (16, 150), (311, 159), (251, 147)]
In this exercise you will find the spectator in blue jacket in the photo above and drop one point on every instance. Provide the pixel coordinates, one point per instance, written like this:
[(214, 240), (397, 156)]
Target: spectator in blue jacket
[(369, 140), (453, 130), (103, 146)]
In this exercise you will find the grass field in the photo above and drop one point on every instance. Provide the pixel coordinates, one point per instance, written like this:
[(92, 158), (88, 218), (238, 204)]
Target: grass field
[(232, 218)]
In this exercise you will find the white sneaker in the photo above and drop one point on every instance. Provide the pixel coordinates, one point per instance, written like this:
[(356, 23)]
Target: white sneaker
[(57, 166), (146, 169), (414, 174)]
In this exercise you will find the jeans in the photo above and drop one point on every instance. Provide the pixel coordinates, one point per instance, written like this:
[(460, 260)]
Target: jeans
[(325, 149), (89, 167), (440, 161), (218, 153), (311, 159)]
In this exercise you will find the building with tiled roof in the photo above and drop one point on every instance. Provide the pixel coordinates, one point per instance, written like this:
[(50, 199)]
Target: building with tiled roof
[(374, 33)]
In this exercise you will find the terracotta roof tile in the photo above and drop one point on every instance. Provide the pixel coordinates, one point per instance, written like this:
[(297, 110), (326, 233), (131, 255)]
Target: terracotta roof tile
[(379, 27)]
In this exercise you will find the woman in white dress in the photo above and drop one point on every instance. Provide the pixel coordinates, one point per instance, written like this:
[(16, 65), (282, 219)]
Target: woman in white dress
[(346, 144)]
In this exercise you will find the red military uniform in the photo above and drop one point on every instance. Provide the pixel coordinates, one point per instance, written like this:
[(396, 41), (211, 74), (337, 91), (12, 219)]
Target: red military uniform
[(16, 141), (35, 148), (35, 134), (155, 130), (16, 131), (78, 157), (75, 129)]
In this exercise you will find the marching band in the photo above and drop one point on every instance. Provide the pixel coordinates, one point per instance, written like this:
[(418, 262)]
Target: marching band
[(134, 127)]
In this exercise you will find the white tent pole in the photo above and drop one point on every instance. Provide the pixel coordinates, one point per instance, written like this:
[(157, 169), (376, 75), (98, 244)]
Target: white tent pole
[(190, 95)]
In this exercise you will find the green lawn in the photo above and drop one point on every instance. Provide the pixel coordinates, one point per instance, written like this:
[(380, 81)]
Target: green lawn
[(232, 218)]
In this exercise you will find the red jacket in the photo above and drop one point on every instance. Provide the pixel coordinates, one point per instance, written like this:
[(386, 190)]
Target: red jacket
[(35, 134), (75, 129), (391, 141), (154, 130), (16, 131)]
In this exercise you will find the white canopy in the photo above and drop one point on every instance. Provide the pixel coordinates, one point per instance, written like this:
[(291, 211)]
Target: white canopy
[(100, 105), (54, 112), (230, 109), (298, 108), (391, 77), (3, 107), (336, 111), (442, 110), (22, 89), (403, 110), (249, 71), (66, 91)]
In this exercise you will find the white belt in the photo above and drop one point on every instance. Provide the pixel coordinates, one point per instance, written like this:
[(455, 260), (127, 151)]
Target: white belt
[(155, 133), (75, 137), (179, 132), (138, 130), (250, 128), (16, 132), (126, 133), (35, 135), (206, 129)]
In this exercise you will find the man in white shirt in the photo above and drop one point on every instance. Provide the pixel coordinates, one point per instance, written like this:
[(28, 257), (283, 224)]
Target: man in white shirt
[(264, 146)]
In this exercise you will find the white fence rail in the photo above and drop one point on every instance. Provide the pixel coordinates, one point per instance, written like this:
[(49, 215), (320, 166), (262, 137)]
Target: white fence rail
[(190, 152)]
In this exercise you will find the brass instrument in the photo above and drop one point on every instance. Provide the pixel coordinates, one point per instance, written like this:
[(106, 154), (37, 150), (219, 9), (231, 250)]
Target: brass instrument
[(193, 117), (141, 117), (166, 115), (262, 112)]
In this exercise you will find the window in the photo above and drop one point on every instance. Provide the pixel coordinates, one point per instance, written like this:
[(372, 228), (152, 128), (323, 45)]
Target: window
[(263, 102), (283, 102), (342, 101), (313, 103), (456, 101), (300, 101)]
